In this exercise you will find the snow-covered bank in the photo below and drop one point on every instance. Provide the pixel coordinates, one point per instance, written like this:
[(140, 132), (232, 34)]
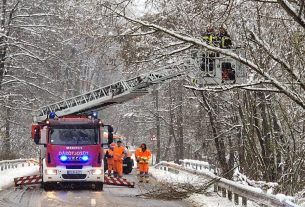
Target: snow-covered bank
[(7, 176)]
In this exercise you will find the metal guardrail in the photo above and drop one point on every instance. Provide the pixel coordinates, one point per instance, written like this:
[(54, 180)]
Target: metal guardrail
[(11, 164), (228, 188)]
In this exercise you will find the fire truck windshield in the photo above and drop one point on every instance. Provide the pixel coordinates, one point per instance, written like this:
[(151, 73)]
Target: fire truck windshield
[(73, 135)]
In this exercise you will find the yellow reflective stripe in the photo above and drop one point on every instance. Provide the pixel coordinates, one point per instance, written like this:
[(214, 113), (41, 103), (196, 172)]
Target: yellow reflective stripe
[(195, 81), (210, 39), (223, 39)]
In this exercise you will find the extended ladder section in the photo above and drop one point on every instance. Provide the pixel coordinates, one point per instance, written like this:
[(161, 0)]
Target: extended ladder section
[(115, 93)]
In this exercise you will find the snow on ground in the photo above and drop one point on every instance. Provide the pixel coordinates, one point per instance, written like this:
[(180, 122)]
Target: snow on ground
[(7, 176), (199, 200)]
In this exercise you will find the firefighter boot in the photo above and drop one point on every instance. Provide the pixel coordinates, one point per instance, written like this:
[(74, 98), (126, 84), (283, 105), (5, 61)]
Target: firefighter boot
[(147, 179), (138, 171), (141, 179)]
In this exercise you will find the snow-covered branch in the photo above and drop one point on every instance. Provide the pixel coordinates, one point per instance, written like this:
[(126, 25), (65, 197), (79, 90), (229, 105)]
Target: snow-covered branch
[(278, 59), (31, 84), (248, 86), (292, 11), (139, 33), (176, 51)]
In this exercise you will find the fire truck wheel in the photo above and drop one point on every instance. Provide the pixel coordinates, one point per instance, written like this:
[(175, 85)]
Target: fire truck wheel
[(98, 186), (129, 164), (47, 186)]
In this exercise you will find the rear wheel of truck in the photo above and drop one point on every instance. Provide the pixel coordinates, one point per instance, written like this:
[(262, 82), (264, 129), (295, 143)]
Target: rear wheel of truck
[(129, 164)]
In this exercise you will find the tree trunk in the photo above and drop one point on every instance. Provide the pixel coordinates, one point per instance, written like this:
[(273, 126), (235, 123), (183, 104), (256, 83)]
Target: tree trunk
[(171, 126), (180, 122), (158, 126), (7, 141), (3, 40), (219, 142)]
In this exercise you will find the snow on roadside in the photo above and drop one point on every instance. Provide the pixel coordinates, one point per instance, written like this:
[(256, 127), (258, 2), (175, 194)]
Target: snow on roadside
[(169, 177), (7, 176), (199, 200)]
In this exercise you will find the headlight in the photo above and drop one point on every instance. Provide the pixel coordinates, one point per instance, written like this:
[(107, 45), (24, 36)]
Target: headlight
[(85, 158), (97, 172), (51, 172), (63, 158)]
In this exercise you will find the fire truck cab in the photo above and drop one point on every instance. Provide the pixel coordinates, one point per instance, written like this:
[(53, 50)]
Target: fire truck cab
[(70, 150)]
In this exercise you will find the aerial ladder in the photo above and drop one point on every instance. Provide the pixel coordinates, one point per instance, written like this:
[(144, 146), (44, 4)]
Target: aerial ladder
[(125, 90), (116, 93)]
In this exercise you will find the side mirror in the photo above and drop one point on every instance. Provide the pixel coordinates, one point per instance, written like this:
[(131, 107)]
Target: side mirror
[(105, 145), (43, 140), (36, 135), (110, 134)]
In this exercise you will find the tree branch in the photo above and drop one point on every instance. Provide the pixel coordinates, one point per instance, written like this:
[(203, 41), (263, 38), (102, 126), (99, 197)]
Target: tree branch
[(292, 12)]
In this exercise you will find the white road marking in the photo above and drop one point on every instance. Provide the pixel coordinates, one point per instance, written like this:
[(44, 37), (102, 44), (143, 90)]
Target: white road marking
[(93, 202)]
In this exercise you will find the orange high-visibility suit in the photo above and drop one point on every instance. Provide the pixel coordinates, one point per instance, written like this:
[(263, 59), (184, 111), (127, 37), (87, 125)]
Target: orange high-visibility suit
[(136, 154), (143, 157), (118, 156), (110, 160)]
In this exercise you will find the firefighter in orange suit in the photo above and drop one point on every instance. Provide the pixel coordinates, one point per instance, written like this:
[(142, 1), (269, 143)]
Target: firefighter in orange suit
[(136, 154), (144, 156), (110, 159), (118, 157)]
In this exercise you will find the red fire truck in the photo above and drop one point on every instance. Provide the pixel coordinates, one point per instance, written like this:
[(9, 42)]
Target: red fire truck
[(70, 150)]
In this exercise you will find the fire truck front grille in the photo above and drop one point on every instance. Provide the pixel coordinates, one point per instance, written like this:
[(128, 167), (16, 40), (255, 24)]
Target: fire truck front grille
[(74, 167), (74, 176)]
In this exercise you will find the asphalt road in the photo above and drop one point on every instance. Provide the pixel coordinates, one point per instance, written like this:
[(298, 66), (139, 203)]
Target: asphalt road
[(111, 196)]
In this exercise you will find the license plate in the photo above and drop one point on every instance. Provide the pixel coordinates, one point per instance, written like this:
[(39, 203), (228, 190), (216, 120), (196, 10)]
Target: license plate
[(124, 165), (74, 172)]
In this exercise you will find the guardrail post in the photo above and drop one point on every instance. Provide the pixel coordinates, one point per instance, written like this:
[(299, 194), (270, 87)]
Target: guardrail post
[(215, 187), (230, 195), (244, 202), (236, 201), (219, 188), (224, 192)]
